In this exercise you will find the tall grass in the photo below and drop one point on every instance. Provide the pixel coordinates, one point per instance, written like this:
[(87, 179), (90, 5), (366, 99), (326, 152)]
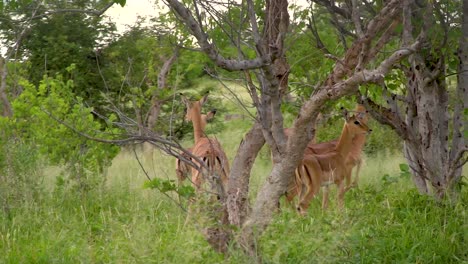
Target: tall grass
[(385, 220)]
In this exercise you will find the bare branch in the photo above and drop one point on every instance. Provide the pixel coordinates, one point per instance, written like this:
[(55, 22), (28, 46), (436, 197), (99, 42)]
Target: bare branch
[(369, 8), (356, 15), (237, 99), (458, 162), (254, 25), (196, 29), (354, 55), (332, 8), (387, 116), (313, 28), (384, 39), (149, 178)]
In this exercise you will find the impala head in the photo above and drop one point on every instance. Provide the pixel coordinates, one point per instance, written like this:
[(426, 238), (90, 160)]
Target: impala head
[(356, 126), (193, 107), (355, 123), (205, 118)]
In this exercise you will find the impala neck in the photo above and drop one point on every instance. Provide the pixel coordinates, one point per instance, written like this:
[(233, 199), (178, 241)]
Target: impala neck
[(358, 143), (197, 124), (345, 143)]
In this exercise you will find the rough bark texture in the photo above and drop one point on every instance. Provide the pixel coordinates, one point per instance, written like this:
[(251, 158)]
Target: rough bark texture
[(272, 72), (333, 88), (460, 120), (239, 180), (7, 110), (156, 103), (435, 161)]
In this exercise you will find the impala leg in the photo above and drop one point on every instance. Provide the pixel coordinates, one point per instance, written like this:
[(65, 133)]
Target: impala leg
[(299, 186), (325, 191), (311, 192), (196, 179), (312, 189), (302, 188), (341, 192), (358, 168), (291, 192)]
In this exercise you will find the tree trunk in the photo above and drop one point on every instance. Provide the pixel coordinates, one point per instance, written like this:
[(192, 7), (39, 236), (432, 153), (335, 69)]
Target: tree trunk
[(7, 110), (156, 102), (433, 159), (428, 115), (239, 180), (460, 120), (272, 74)]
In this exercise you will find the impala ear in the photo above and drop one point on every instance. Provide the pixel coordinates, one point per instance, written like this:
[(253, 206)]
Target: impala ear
[(345, 113), (204, 99), (210, 114), (185, 100)]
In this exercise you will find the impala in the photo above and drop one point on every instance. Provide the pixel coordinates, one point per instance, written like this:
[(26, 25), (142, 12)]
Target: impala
[(183, 168), (316, 170), (354, 157), (214, 161)]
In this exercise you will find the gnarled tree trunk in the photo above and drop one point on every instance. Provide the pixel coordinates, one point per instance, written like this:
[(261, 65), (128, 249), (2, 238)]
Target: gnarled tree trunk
[(272, 69), (434, 159), (239, 180), (7, 110)]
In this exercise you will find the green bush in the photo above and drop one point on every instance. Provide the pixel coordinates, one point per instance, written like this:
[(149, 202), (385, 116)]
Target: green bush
[(43, 117)]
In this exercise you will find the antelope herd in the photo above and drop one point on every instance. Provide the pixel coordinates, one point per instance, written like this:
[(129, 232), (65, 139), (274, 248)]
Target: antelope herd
[(322, 165)]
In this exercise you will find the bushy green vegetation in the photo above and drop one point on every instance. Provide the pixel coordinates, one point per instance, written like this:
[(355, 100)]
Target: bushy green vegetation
[(60, 202), (384, 221), (44, 219)]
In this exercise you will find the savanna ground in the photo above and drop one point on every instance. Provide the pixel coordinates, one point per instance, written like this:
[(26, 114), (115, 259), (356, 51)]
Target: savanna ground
[(385, 220)]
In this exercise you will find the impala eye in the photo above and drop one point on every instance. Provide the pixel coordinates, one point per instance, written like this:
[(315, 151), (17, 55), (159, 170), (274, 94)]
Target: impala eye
[(356, 122)]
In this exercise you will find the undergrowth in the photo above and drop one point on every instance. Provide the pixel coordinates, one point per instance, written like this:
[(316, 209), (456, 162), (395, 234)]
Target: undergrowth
[(385, 220)]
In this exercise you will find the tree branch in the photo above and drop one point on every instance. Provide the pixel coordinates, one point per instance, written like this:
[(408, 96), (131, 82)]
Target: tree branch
[(313, 28), (333, 8), (356, 15), (196, 29)]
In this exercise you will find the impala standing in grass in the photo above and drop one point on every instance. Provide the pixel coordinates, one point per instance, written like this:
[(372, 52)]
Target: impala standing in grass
[(317, 170)]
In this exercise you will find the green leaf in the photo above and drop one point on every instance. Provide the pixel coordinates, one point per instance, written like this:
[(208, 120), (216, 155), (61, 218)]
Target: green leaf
[(120, 2), (186, 191), (404, 167), (160, 184)]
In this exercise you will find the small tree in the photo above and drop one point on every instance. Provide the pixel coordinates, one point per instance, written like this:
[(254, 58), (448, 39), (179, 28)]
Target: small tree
[(427, 113), (20, 18), (267, 27)]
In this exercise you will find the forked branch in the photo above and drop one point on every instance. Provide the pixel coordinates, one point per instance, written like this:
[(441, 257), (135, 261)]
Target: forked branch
[(210, 49)]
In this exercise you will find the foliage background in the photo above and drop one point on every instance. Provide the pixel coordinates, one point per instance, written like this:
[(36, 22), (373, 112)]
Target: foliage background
[(66, 199)]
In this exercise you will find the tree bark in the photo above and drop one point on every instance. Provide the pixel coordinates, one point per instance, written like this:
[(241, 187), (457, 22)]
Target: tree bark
[(460, 120), (239, 180), (434, 160), (155, 108), (7, 110), (272, 75)]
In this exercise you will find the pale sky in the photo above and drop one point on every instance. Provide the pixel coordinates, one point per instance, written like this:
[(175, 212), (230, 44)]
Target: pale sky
[(128, 14)]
